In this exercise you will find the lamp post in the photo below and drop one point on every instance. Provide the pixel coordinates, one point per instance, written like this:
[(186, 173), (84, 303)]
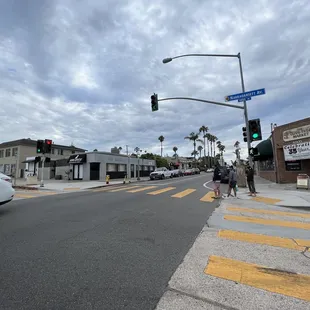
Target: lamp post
[(169, 59)]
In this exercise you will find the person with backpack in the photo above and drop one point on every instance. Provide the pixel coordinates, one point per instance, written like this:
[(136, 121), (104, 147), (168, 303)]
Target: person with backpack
[(232, 181), (217, 181)]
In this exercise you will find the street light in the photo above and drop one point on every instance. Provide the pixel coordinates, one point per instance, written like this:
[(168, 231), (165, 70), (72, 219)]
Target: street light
[(169, 59)]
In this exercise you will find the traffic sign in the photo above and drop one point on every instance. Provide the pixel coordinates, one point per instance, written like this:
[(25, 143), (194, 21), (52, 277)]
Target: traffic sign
[(246, 95), (246, 99)]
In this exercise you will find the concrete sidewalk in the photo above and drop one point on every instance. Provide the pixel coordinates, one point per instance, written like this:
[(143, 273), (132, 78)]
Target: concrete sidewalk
[(285, 195), (249, 256), (65, 185)]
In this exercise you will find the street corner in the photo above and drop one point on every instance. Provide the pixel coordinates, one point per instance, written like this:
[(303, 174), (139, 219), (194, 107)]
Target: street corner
[(235, 270)]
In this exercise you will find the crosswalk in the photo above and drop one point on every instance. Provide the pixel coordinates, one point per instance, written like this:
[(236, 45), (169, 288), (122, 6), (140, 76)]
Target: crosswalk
[(270, 227), (154, 190), (32, 194), (250, 255)]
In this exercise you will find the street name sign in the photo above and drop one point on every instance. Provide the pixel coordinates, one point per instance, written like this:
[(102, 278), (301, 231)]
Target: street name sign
[(246, 95)]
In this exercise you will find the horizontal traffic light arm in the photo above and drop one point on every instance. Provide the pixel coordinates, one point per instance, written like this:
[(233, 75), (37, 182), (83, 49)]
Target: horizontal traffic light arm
[(206, 101)]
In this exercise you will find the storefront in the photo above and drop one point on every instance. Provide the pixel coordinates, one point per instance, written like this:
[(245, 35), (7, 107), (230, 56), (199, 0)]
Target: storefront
[(290, 153), (96, 165), (77, 165)]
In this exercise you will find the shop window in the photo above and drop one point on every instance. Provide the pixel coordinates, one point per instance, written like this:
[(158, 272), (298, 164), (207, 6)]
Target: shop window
[(294, 165), (266, 165)]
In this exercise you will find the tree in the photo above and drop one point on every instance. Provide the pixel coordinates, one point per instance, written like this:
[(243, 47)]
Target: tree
[(193, 137), (161, 139), (208, 137), (237, 150), (95, 150), (175, 149), (214, 141), (200, 148), (204, 130)]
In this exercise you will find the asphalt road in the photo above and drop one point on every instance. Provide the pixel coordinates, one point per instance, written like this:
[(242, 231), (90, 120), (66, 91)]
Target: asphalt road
[(98, 250)]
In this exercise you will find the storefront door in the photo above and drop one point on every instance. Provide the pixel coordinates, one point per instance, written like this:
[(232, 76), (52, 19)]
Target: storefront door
[(77, 172)]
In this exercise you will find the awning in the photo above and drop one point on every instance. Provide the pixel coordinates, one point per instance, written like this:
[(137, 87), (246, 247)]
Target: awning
[(77, 159), (265, 151), (28, 161)]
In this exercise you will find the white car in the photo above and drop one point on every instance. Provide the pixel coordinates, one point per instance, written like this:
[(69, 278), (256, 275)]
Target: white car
[(7, 192), (5, 177)]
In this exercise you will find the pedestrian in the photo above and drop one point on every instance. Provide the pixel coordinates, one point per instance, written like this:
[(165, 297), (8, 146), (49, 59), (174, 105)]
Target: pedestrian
[(217, 181), (232, 181), (250, 180)]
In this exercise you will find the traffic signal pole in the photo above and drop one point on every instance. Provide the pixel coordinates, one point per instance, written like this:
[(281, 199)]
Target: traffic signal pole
[(166, 60), (42, 171), (245, 108)]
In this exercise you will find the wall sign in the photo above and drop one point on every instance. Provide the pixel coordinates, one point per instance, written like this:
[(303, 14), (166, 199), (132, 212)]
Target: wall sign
[(297, 151), (296, 133), (293, 165)]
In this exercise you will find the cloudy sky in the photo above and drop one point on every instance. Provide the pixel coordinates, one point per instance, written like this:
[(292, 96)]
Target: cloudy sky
[(83, 71)]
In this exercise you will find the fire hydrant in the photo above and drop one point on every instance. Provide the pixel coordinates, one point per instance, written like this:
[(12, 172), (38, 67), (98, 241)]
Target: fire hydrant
[(107, 179)]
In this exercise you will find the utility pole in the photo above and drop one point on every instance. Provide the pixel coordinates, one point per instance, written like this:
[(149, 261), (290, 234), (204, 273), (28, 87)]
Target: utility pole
[(16, 163), (128, 164), (42, 170)]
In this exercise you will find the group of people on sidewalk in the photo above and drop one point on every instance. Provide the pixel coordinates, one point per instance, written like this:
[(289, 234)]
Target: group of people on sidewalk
[(232, 181)]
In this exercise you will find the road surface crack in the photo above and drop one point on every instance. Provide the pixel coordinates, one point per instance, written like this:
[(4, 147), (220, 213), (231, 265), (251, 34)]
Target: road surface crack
[(206, 300)]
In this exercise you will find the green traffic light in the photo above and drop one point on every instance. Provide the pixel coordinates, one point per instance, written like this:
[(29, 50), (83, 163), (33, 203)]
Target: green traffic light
[(255, 135)]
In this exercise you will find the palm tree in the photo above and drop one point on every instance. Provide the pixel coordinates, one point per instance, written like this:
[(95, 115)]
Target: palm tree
[(175, 151), (204, 130), (194, 153), (214, 141), (200, 148), (161, 139), (208, 137), (237, 149), (193, 137)]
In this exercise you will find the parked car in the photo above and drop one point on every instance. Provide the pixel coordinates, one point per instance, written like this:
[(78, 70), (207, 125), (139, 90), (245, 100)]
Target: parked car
[(5, 177), (7, 192), (188, 172), (210, 170), (196, 171), (161, 173)]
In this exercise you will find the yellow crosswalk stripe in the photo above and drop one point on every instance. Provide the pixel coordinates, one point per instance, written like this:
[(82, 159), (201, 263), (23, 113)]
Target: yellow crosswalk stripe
[(266, 200), (272, 280), (271, 212), (122, 188), (106, 188), (24, 196), (141, 189), (254, 220), (160, 191), (184, 193), (293, 244), (208, 197)]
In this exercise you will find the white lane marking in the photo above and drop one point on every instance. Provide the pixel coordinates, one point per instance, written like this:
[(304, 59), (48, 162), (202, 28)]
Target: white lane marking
[(174, 181), (205, 185)]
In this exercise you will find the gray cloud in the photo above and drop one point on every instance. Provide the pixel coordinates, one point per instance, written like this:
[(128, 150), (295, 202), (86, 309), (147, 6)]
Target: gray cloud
[(84, 72)]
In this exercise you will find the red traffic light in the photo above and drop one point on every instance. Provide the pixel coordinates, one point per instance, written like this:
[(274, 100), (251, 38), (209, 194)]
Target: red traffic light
[(48, 141)]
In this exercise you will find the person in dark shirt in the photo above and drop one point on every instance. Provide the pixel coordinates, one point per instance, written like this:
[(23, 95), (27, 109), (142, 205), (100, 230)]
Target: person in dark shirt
[(250, 180), (217, 181)]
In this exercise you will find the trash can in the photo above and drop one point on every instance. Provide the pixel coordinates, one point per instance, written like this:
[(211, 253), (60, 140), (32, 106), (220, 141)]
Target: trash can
[(303, 181)]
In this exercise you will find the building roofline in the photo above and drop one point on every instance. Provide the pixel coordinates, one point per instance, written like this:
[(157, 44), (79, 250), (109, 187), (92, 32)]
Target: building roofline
[(30, 142)]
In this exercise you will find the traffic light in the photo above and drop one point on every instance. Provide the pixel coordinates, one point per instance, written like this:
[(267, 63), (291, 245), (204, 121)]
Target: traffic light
[(47, 159), (37, 159), (154, 102), (255, 129), (48, 146), (244, 134), (40, 146), (253, 151)]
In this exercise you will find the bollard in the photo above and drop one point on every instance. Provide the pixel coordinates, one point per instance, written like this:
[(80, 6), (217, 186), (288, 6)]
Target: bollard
[(107, 179)]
